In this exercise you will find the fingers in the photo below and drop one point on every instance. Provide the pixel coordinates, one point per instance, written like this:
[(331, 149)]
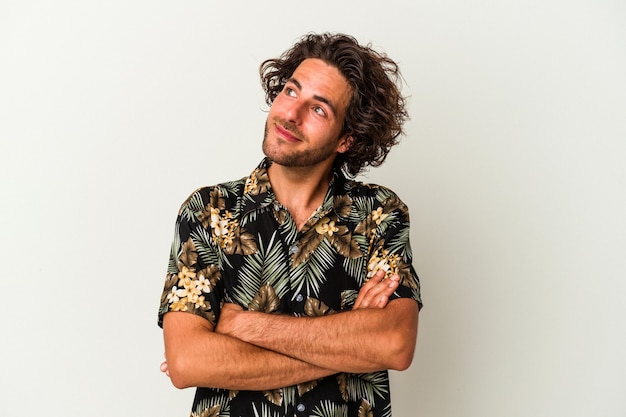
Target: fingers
[(362, 299), (165, 369), (375, 293)]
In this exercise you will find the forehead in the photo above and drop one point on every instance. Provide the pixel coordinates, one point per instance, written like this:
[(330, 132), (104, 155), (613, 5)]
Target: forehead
[(317, 78)]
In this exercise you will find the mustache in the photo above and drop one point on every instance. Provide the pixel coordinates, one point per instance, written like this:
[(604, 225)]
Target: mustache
[(290, 126)]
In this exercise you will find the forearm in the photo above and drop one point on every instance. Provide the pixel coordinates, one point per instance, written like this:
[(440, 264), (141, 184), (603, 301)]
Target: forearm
[(206, 359), (363, 340)]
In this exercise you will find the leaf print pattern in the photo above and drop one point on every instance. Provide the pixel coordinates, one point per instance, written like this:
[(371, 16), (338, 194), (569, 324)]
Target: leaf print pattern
[(239, 242), (189, 256), (329, 409), (281, 216), (264, 410), (338, 236), (234, 242), (392, 264), (208, 278), (365, 409), (342, 206), (208, 412), (366, 386), (186, 290), (224, 228), (274, 396), (344, 243), (306, 387), (266, 301), (316, 308), (342, 381), (258, 182), (308, 244)]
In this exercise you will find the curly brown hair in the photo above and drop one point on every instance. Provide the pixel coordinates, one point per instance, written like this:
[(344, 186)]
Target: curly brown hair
[(377, 109)]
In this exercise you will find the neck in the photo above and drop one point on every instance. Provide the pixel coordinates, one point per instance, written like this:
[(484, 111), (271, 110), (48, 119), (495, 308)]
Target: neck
[(301, 190)]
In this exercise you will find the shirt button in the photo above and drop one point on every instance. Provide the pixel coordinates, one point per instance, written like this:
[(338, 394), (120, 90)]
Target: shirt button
[(299, 298), (293, 249), (300, 407)]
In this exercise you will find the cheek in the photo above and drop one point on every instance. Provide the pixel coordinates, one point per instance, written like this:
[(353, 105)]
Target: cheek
[(280, 101), (278, 110)]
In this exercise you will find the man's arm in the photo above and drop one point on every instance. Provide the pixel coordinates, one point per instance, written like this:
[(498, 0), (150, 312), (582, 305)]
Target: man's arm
[(362, 340), (357, 341), (197, 356)]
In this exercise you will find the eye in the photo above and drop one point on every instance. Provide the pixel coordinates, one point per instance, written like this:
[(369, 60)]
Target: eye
[(319, 110), (290, 91)]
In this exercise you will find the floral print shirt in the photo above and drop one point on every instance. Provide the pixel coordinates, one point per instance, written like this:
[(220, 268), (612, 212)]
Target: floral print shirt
[(235, 243)]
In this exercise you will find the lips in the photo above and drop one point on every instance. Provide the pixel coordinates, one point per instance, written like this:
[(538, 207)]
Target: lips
[(285, 134)]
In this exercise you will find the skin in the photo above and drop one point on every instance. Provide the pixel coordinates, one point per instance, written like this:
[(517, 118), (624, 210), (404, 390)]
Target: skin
[(302, 137), (374, 340), (303, 128), (197, 355)]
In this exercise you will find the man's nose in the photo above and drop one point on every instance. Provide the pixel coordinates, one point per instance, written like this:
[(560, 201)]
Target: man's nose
[(293, 112)]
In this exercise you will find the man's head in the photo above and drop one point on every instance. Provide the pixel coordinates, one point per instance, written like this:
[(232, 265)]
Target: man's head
[(304, 127), (375, 113)]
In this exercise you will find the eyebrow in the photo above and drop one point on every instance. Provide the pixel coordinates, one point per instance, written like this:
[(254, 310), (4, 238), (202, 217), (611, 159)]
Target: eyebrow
[(316, 97)]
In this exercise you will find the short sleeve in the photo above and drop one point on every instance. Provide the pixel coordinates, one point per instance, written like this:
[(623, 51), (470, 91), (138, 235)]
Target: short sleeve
[(391, 248), (193, 278)]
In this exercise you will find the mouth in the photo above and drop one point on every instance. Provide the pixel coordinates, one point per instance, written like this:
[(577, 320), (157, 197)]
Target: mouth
[(285, 134)]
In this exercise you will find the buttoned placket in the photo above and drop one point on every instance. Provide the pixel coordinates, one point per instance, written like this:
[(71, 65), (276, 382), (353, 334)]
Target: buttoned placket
[(301, 408), (293, 247), (291, 244)]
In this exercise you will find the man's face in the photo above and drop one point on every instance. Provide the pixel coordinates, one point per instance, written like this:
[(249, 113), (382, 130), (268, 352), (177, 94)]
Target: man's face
[(305, 121)]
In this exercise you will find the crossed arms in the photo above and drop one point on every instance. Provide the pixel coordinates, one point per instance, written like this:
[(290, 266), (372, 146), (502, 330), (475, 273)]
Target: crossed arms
[(257, 351)]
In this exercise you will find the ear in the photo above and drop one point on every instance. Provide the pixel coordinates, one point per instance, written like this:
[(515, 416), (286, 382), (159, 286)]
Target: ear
[(345, 143)]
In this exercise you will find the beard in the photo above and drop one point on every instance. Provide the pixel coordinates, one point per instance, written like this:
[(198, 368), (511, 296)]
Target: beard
[(296, 159)]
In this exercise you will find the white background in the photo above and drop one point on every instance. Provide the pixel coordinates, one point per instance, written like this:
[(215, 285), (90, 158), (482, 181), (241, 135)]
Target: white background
[(112, 112)]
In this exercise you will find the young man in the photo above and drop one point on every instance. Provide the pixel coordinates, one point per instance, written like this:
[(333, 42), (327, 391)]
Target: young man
[(291, 291)]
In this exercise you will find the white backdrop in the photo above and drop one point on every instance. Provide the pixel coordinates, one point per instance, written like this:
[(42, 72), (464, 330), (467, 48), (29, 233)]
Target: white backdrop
[(111, 113)]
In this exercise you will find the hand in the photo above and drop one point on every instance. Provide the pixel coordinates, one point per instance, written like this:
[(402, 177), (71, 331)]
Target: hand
[(226, 322), (164, 368), (376, 291)]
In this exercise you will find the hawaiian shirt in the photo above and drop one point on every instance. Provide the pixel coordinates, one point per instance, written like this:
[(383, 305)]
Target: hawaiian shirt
[(234, 242)]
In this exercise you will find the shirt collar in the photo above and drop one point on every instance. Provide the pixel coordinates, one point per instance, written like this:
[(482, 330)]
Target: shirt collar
[(258, 192)]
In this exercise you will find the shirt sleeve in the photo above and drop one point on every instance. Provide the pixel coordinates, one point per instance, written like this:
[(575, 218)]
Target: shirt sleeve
[(391, 249), (193, 278)]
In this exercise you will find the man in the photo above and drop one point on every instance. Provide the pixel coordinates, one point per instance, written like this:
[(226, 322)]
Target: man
[(291, 291)]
